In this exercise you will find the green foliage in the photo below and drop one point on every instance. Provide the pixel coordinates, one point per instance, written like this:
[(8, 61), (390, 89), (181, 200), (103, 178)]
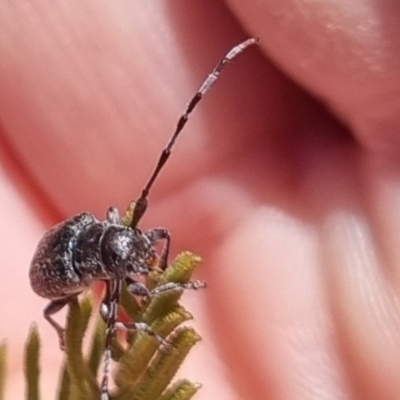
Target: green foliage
[(32, 369), (143, 369)]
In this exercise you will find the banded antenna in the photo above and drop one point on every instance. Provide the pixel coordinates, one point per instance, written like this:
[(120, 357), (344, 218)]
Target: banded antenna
[(142, 202)]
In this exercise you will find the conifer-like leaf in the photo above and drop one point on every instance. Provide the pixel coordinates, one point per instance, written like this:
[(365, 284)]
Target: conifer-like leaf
[(143, 368), (32, 369), (64, 391), (165, 365), (97, 347), (84, 383), (181, 390)]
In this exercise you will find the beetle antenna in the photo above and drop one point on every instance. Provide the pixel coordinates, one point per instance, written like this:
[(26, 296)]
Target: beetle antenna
[(141, 202)]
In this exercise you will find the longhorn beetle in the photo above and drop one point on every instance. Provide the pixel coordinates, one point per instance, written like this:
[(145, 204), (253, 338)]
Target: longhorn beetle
[(83, 249)]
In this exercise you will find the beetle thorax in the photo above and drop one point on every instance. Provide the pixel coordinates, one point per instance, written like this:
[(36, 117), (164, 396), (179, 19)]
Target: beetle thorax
[(108, 251)]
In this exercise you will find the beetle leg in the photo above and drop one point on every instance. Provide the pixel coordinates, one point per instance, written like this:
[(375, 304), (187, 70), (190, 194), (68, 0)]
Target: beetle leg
[(108, 311), (53, 307), (177, 285), (136, 288), (141, 327), (139, 289), (156, 235)]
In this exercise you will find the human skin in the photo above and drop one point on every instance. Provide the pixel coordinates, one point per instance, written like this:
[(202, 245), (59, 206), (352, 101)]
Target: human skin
[(293, 201)]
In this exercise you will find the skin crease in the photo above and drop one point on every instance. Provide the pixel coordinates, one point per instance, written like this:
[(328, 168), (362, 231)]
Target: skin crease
[(292, 200)]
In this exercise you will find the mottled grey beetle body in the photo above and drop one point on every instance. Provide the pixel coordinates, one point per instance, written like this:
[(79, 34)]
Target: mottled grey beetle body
[(52, 273), (81, 250)]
